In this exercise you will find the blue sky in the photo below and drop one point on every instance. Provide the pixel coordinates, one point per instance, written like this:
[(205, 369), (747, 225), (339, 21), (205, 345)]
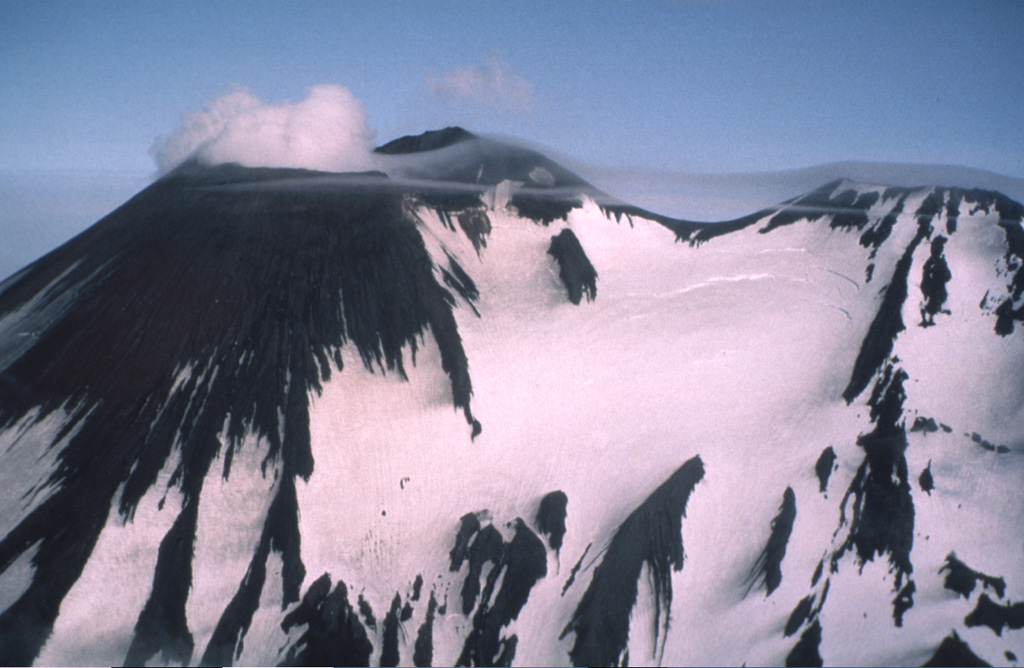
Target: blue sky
[(689, 86)]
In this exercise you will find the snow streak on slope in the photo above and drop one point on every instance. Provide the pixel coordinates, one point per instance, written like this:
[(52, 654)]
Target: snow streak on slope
[(275, 366)]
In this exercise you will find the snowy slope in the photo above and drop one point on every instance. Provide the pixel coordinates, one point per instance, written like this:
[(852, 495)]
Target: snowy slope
[(273, 416)]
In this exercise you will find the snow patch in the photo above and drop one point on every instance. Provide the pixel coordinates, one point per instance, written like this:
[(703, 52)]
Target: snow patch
[(30, 452), (99, 612), (231, 515), (16, 579)]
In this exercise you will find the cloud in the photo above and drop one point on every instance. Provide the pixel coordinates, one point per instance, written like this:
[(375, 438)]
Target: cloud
[(493, 84), (327, 131)]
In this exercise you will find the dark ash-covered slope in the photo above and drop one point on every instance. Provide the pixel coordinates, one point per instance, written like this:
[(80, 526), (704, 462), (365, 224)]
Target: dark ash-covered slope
[(428, 141), (207, 307), (651, 535), (541, 189), (455, 155)]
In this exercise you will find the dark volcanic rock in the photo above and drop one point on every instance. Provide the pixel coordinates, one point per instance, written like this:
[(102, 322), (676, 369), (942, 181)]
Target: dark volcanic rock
[(876, 235), (823, 467), (551, 517), (367, 612), (423, 650), (522, 564), (652, 535), (926, 480), (934, 277), (923, 424), (812, 206), (459, 207), (855, 214), (575, 269), (428, 141), (542, 207), (883, 507), (888, 321), (955, 652), (469, 525), (478, 162), (333, 635), (576, 569), (517, 565), (487, 546), (996, 617), (799, 615), (768, 568), (695, 233), (1011, 217), (457, 279), (389, 636), (805, 652), (904, 601), (963, 579)]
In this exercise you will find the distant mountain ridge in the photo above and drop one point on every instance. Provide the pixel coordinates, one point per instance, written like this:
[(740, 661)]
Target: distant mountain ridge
[(723, 196)]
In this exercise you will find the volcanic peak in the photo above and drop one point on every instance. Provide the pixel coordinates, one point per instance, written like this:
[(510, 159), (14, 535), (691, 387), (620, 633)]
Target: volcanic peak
[(430, 140)]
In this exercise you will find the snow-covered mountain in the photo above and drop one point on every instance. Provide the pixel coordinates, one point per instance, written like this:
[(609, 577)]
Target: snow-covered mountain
[(473, 411)]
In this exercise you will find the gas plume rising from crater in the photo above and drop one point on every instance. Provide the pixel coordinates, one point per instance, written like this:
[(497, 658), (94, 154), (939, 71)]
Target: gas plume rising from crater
[(327, 130)]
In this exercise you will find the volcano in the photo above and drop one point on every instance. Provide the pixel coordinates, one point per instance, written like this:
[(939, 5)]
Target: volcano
[(470, 410)]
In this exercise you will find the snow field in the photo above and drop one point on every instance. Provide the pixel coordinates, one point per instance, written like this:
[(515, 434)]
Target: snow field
[(684, 352), (737, 351)]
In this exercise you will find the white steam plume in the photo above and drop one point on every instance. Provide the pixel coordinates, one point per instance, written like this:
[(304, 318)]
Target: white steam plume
[(326, 131)]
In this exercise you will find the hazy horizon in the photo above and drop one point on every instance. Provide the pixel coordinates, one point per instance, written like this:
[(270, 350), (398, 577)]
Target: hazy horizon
[(42, 209), (643, 100)]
